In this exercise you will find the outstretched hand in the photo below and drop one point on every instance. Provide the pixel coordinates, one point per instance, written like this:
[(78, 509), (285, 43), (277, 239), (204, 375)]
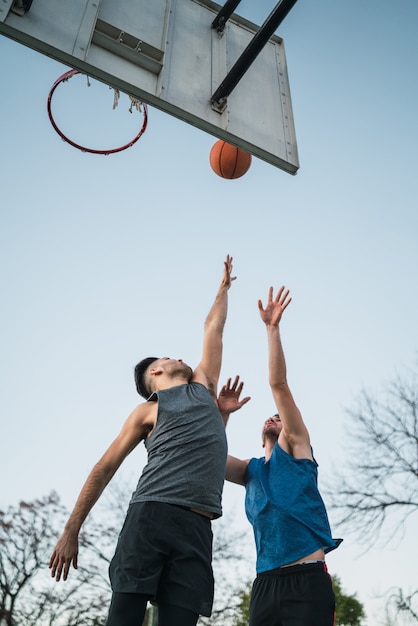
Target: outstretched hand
[(272, 314), (228, 399), (227, 278)]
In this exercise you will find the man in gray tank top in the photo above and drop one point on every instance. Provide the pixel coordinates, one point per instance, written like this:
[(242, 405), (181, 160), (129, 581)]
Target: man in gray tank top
[(164, 550)]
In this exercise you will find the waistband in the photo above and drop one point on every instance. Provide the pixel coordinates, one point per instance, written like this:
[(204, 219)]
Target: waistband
[(298, 568), (206, 514)]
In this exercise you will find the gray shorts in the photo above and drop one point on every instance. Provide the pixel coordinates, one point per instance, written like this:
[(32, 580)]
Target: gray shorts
[(165, 552)]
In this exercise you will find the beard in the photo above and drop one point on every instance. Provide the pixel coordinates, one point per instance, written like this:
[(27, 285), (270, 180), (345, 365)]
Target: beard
[(271, 431), (181, 369)]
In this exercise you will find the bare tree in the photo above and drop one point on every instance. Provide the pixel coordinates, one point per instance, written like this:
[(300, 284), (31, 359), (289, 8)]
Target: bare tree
[(28, 596), (378, 489), (25, 534), (402, 608)]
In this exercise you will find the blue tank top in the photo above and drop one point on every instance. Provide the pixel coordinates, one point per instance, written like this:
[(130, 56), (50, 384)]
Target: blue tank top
[(186, 451), (285, 509)]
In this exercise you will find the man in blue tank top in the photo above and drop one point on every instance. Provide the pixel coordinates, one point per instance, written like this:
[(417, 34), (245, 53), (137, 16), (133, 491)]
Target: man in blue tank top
[(290, 523), (164, 551)]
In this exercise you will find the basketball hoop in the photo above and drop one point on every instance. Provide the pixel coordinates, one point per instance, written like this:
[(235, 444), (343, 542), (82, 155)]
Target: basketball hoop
[(134, 103)]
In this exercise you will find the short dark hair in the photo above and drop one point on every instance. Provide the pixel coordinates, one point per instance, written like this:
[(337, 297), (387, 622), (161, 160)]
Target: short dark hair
[(140, 370)]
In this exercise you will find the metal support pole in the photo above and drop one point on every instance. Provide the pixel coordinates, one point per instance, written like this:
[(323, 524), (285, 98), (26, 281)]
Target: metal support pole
[(224, 14), (255, 46)]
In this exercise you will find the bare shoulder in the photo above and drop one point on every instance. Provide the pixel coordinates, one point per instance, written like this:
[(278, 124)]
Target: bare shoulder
[(143, 418), (144, 414), (137, 427)]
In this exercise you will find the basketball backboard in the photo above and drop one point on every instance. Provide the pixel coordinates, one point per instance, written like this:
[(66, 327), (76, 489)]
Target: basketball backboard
[(165, 53)]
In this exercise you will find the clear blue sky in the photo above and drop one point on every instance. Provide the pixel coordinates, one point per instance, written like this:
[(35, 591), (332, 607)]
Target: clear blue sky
[(105, 260)]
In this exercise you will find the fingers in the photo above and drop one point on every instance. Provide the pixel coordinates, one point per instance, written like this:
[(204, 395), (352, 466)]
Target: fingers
[(228, 269), (282, 298), (56, 567), (236, 381), (228, 264), (52, 564), (227, 386), (67, 566), (60, 566), (269, 300), (286, 303), (279, 294), (235, 388)]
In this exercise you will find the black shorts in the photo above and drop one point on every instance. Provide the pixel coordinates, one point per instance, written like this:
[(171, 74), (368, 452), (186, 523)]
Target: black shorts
[(298, 595), (165, 552)]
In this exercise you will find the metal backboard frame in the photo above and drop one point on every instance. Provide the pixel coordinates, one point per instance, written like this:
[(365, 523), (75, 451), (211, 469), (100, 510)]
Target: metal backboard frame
[(165, 53)]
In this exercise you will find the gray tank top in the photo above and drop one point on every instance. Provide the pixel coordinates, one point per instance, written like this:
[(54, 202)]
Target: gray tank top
[(186, 451)]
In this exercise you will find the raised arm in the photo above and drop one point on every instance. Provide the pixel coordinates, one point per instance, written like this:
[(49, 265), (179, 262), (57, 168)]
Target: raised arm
[(208, 370), (229, 402), (136, 428), (294, 436)]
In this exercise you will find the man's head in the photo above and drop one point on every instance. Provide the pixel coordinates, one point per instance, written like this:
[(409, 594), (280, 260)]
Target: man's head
[(140, 376), (148, 370), (271, 428)]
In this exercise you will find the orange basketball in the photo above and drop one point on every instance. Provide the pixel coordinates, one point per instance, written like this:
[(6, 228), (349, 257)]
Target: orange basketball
[(229, 161)]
